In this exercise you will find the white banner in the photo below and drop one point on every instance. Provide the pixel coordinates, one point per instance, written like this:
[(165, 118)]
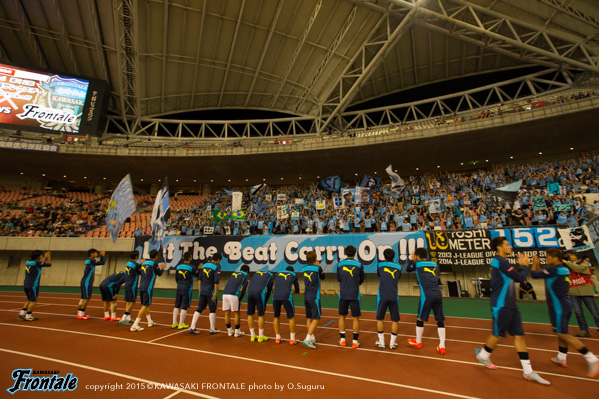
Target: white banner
[(268, 197), (321, 204), (237, 198), (281, 212), (208, 230), (577, 238), (281, 197)]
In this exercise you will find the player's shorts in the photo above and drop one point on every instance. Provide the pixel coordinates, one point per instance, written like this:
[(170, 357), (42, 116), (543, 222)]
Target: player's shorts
[(130, 294), (287, 304), (231, 302), (383, 304), (313, 310), (434, 304), (183, 298), (107, 293), (32, 293), (507, 320), (145, 298), (354, 305), (560, 320), (256, 300), (206, 300), (86, 289)]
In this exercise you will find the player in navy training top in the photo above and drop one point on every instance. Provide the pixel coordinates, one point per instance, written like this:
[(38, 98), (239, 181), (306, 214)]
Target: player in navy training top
[(109, 288), (184, 274), (33, 273), (132, 272), (87, 281), (506, 316), (259, 290), (350, 274), (557, 285), (149, 270), (282, 296), (430, 298), (313, 273), (387, 298), (209, 279), (232, 296)]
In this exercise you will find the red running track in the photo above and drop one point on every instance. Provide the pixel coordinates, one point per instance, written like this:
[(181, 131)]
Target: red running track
[(127, 364)]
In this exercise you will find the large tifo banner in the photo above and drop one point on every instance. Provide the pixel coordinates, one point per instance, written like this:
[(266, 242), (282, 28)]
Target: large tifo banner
[(463, 248)]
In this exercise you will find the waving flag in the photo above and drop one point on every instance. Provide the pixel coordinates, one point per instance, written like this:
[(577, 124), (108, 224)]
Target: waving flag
[(238, 215), (254, 189), (331, 183), (396, 181), (120, 207), (161, 214), (508, 192), (219, 216)]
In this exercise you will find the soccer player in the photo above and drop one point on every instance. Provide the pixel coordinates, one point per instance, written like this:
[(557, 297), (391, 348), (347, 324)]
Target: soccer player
[(282, 296), (209, 279), (430, 298), (350, 274), (259, 290), (313, 273), (87, 282), (387, 298), (232, 296), (557, 284), (184, 277), (149, 270), (109, 288), (506, 315), (33, 272), (132, 272)]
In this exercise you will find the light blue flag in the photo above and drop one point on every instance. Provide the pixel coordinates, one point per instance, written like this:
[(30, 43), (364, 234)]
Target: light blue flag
[(161, 214), (553, 188), (120, 207)]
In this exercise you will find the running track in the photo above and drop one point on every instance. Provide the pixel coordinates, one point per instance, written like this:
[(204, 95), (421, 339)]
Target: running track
[(104, 353)]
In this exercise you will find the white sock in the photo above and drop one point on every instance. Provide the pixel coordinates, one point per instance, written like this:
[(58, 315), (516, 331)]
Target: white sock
[(237, 331), (175, 315), (194, 321), (278, 336), (29, 316), (182, 317), (129, 317), (260, 332), (252, 332), (79, 313), (106, 314), (212, 318), (136, 324), (393, 338), (355, 341), (22, 312), (526, 366), (113, 315), (562, 356), (292, 336), (419, 332), (441, 331), (149, 319), (312, 338), (483, 354), (590, 357), (381, 337)]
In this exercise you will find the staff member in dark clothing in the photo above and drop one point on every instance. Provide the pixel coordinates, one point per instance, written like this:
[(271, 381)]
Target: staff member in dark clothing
[(526, 288), (33, 272)]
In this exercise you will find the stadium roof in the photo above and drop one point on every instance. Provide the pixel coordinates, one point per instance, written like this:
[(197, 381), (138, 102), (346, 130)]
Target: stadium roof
[(308, 57)]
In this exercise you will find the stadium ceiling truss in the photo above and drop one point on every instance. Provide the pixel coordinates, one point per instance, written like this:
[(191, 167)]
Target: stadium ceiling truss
[(515, 92), (312, 59)]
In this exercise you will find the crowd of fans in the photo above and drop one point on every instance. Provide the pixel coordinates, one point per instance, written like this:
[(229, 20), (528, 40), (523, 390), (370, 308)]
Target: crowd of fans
[(462, 201), (465, 202)]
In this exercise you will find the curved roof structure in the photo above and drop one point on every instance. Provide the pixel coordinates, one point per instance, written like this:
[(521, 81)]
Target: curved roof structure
[(302, 58)]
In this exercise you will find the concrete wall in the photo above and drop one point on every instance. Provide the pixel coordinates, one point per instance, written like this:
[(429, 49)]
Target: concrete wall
[(68, 255)]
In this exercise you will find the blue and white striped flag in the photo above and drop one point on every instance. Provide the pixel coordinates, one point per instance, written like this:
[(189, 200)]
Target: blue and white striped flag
[(161, 214), (120, 207)]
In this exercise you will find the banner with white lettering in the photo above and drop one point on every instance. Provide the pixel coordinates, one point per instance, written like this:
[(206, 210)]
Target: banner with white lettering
[(464, 248), (236, 199), (473, 247)]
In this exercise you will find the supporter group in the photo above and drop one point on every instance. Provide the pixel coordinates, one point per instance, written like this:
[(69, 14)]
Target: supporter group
[(465, 200)]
